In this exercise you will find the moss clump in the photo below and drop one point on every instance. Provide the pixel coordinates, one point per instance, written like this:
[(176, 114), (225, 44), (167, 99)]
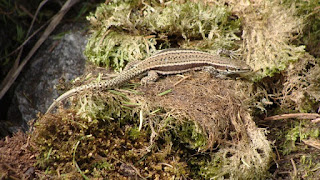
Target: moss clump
[(309, 10), (105, 143), (269, 27), (192, 135), (231, 146), (124, 31)]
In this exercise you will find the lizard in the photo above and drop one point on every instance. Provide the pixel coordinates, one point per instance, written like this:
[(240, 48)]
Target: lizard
[(165, 62)]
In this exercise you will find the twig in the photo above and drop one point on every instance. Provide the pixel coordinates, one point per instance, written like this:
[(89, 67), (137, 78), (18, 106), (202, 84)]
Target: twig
[(316, 120), (312, 142), (27, 40), (53, 24), (294, 115), (184, 78), (295, 173), (20, 48), (36, 14), (25, 10)]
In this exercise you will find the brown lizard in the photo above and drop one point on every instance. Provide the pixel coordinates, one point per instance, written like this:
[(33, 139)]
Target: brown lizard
[(170, 61)]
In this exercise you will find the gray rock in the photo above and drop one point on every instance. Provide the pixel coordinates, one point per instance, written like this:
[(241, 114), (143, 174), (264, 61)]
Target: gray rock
[(35, 91)]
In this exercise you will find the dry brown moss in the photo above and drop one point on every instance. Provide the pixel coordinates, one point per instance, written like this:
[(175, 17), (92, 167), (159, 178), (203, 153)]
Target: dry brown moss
[(301, 87), (269, 27), (16, 158), (219, 108), (209, 102)]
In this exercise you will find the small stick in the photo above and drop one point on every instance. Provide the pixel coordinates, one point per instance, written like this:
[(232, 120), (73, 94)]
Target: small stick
[(294, 115)]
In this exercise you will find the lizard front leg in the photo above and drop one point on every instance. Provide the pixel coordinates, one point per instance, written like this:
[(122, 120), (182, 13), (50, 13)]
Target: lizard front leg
[(213, 72), (150, 78)]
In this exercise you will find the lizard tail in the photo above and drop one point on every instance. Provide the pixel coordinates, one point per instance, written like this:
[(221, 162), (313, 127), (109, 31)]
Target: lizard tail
[(61, 98), (74, 91)]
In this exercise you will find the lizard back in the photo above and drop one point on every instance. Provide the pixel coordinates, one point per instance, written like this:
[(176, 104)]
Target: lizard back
[(182, 60)]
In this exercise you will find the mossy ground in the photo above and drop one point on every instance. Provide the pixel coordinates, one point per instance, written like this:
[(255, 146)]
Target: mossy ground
[(201, 127), (126, 133)]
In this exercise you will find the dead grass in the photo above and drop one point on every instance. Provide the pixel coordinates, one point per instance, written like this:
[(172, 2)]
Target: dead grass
[(17, 158), (220, 108)]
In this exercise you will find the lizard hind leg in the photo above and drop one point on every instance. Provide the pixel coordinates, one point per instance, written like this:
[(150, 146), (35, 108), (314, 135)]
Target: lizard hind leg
[(214, 72), (150, 78)]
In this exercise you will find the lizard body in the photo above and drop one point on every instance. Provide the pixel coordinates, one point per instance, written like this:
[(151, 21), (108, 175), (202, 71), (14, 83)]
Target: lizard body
[(170, 61)]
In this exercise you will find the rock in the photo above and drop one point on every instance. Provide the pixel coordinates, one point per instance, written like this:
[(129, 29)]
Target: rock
[(56, 59)]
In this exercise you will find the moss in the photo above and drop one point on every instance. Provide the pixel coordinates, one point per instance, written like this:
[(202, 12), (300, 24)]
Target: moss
[(123, 134), (269, 27), (142, 27), (300, 91), (103, 141), (276, 34), (192, 135), (189, 131), (230, 148), (311, 35), (303, 164), (308, 165), (299, 132)]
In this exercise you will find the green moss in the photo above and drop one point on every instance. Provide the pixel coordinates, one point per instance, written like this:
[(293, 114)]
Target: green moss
[(309, 165), (192, 135), (117, 49), (102, 140), (299, 132), (134, 133), (212, 168), (126, 31)]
